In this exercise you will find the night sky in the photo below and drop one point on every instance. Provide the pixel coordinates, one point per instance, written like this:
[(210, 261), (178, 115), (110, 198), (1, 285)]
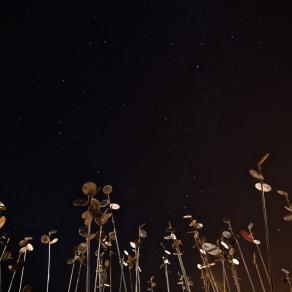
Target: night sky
[(170, 102)]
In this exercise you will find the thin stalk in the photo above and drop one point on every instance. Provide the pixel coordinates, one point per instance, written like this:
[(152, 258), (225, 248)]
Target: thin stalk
[(227, 282), (130, 277), (88, 246), (243, 259), (118, 249), (4, 249), (263, 263), (268, 246), (235, 278), (137, 268), (71, 277), (259, 274), (183, 269), (13, 275), (110, 270), (78, 277), (98, 270), (49, 267), (22, 271), (223, 274), (166, 277)]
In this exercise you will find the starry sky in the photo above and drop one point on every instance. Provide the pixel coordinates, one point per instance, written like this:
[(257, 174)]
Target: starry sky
[(170, 102)]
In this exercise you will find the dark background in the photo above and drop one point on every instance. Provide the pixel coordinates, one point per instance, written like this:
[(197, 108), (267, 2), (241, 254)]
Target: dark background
[(171, 102)]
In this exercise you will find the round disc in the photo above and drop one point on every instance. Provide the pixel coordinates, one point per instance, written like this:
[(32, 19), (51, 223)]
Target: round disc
[(22, 242), (207, 246), (70, 261), (80, 203), (95, 203), (115, 206), (2, 221), (82, 247), (256, 174), (214, 252), (282, 193), (45, 239), (224, 244), (211, 248), (288, 218), (112, 236), (199, 225), (104, 203), (266, 188), (2, 207), (107, 243), (231, 251), (89, 188), (142, 233), (107, 189), (246, 235), (51, 232), (235, 261), (27, 288), (133, 244), (85, 215), (226, 234), (82, 231)]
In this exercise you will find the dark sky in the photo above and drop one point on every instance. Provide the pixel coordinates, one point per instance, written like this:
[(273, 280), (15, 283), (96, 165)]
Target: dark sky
[(171, 102)]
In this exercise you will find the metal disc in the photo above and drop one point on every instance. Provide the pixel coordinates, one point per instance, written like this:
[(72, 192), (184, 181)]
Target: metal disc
[(51, 232), (115, 206), (231, 251), (142, 233), (235, 261), (104, 203), (211, 248), (85, 215), (256, 174), (226, 234), (45, 239), (288, 218), (285, 271), (80, 203), (207, 246), (263, 159), (216, 251), (70, 261), (199, 225), (256, 241), (22, 242), (95, 204), (224, 244), (266, 188), (2, 207), (2, 221), (107, 189), (89, 188), (282, 193), (82, 247), (107, 243), (246, 235), (27, 288)]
